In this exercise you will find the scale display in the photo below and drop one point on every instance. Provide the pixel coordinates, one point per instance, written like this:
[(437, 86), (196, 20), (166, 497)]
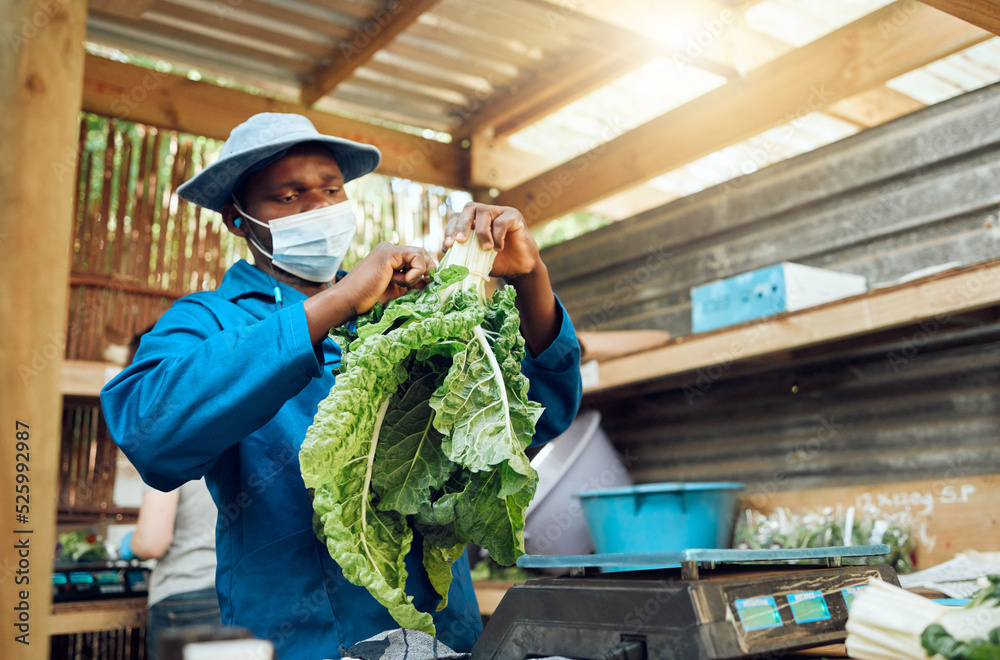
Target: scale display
[(850, 592), (808, 606), (94, 583), (758, 613)]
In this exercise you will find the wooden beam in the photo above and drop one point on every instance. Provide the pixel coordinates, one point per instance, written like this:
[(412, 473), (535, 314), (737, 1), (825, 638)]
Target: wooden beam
[(571, 79), (495, 163), (40, 75), (382, 28), (882, 45), (84, 378), (981, 13), (874, 106), (173, 102)]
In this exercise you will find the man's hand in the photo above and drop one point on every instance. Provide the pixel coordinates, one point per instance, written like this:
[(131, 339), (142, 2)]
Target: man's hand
[(386, 273), (517, 261), (501, 228)]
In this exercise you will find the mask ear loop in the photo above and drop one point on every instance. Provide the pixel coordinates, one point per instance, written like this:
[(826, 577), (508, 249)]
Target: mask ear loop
[(252, 237)]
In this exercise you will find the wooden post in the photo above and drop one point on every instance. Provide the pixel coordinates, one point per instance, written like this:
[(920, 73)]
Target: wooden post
[(41, 78)]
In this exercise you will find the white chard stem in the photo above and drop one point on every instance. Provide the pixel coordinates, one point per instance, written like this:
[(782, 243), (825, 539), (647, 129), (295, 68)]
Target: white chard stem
[(479, 262)]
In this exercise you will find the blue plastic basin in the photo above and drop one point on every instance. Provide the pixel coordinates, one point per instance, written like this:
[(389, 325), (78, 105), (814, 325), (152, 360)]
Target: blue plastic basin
[(665, 517)]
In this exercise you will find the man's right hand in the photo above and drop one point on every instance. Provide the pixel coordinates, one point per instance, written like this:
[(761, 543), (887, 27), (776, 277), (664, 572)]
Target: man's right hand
[(387, 272)]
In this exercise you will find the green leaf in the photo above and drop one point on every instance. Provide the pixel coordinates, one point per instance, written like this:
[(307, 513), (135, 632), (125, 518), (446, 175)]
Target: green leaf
[(482, 423), (409, 457), (437, 562), (489, 520)]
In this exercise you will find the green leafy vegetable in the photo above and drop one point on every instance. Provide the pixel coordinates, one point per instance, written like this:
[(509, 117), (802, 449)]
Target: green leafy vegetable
[(425, 430), (936, 641)]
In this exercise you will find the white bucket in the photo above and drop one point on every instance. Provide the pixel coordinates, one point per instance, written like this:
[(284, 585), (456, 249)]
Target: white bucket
[(579, 460)]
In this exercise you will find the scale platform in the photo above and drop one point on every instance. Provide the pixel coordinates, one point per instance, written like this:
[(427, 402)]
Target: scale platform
[(713, 605)]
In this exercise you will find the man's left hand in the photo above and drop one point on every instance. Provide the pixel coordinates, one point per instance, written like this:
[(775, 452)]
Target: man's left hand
[(498, 227)]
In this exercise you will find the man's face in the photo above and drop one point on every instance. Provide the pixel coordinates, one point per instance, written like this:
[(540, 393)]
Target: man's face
[(305, 178)]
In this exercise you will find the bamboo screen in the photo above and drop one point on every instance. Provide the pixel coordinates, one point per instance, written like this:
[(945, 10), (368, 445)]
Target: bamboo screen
[(137, 246)]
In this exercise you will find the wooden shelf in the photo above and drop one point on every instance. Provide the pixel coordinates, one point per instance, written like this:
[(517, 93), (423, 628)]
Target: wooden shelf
[(90, 616), (934, 299), (84, 378)]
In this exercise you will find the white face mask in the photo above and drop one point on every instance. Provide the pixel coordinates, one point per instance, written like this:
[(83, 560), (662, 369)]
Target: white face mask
[(310, 245)]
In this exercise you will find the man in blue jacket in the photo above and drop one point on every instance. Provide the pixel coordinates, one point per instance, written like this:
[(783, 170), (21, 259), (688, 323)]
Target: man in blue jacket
[(228, 381)]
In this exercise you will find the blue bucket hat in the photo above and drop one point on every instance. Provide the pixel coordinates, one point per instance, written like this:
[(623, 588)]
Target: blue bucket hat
[(261, 140)]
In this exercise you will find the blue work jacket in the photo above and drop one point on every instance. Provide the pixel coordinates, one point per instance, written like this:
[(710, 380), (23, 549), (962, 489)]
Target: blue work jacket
[(225, 386)]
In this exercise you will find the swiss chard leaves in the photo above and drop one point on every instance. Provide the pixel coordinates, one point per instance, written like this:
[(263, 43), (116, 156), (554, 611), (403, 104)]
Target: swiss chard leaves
[(425, 429)]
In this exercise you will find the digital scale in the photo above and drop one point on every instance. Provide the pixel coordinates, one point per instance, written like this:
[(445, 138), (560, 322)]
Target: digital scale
[(98, 581), (712, 605)]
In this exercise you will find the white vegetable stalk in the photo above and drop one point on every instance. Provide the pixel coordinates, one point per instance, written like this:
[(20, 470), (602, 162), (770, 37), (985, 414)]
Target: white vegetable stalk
[(479, 262), (886, 622)]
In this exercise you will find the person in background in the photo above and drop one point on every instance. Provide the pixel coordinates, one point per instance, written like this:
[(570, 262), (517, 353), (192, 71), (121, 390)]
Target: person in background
[(228, 381), (178, 530)]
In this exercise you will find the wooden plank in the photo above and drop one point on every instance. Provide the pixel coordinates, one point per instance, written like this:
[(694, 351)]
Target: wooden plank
[(68, 618), (845, 62), (495, 163), (982, 13), (85, 377), (114, 89), (575, 76), (40, 74), (952, 513), (874, 106), (934, 297), (378, 31)]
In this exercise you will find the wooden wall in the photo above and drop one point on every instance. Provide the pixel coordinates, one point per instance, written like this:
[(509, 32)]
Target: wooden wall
[(917, 403)]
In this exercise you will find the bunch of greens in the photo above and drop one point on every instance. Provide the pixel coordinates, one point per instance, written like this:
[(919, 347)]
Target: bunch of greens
[(425, 430), (80, 545), (937, 641)]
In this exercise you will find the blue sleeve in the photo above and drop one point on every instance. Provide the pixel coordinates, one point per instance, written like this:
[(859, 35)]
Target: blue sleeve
[(197, 387), (554, 375)]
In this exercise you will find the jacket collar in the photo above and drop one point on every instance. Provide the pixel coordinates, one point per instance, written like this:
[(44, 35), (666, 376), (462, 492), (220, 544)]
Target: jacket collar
[(244, 279)]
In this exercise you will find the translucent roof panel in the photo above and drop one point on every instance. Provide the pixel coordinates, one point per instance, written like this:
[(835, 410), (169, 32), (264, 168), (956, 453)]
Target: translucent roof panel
[(799, 22), (633, 99), (965, 71)]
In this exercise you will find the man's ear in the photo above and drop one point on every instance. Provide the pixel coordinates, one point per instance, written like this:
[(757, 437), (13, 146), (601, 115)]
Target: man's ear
[(229, 217)]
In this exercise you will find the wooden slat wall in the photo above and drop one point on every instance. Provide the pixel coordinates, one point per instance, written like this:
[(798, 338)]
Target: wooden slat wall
[(86, 462), (917, 403), (137, 246)]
